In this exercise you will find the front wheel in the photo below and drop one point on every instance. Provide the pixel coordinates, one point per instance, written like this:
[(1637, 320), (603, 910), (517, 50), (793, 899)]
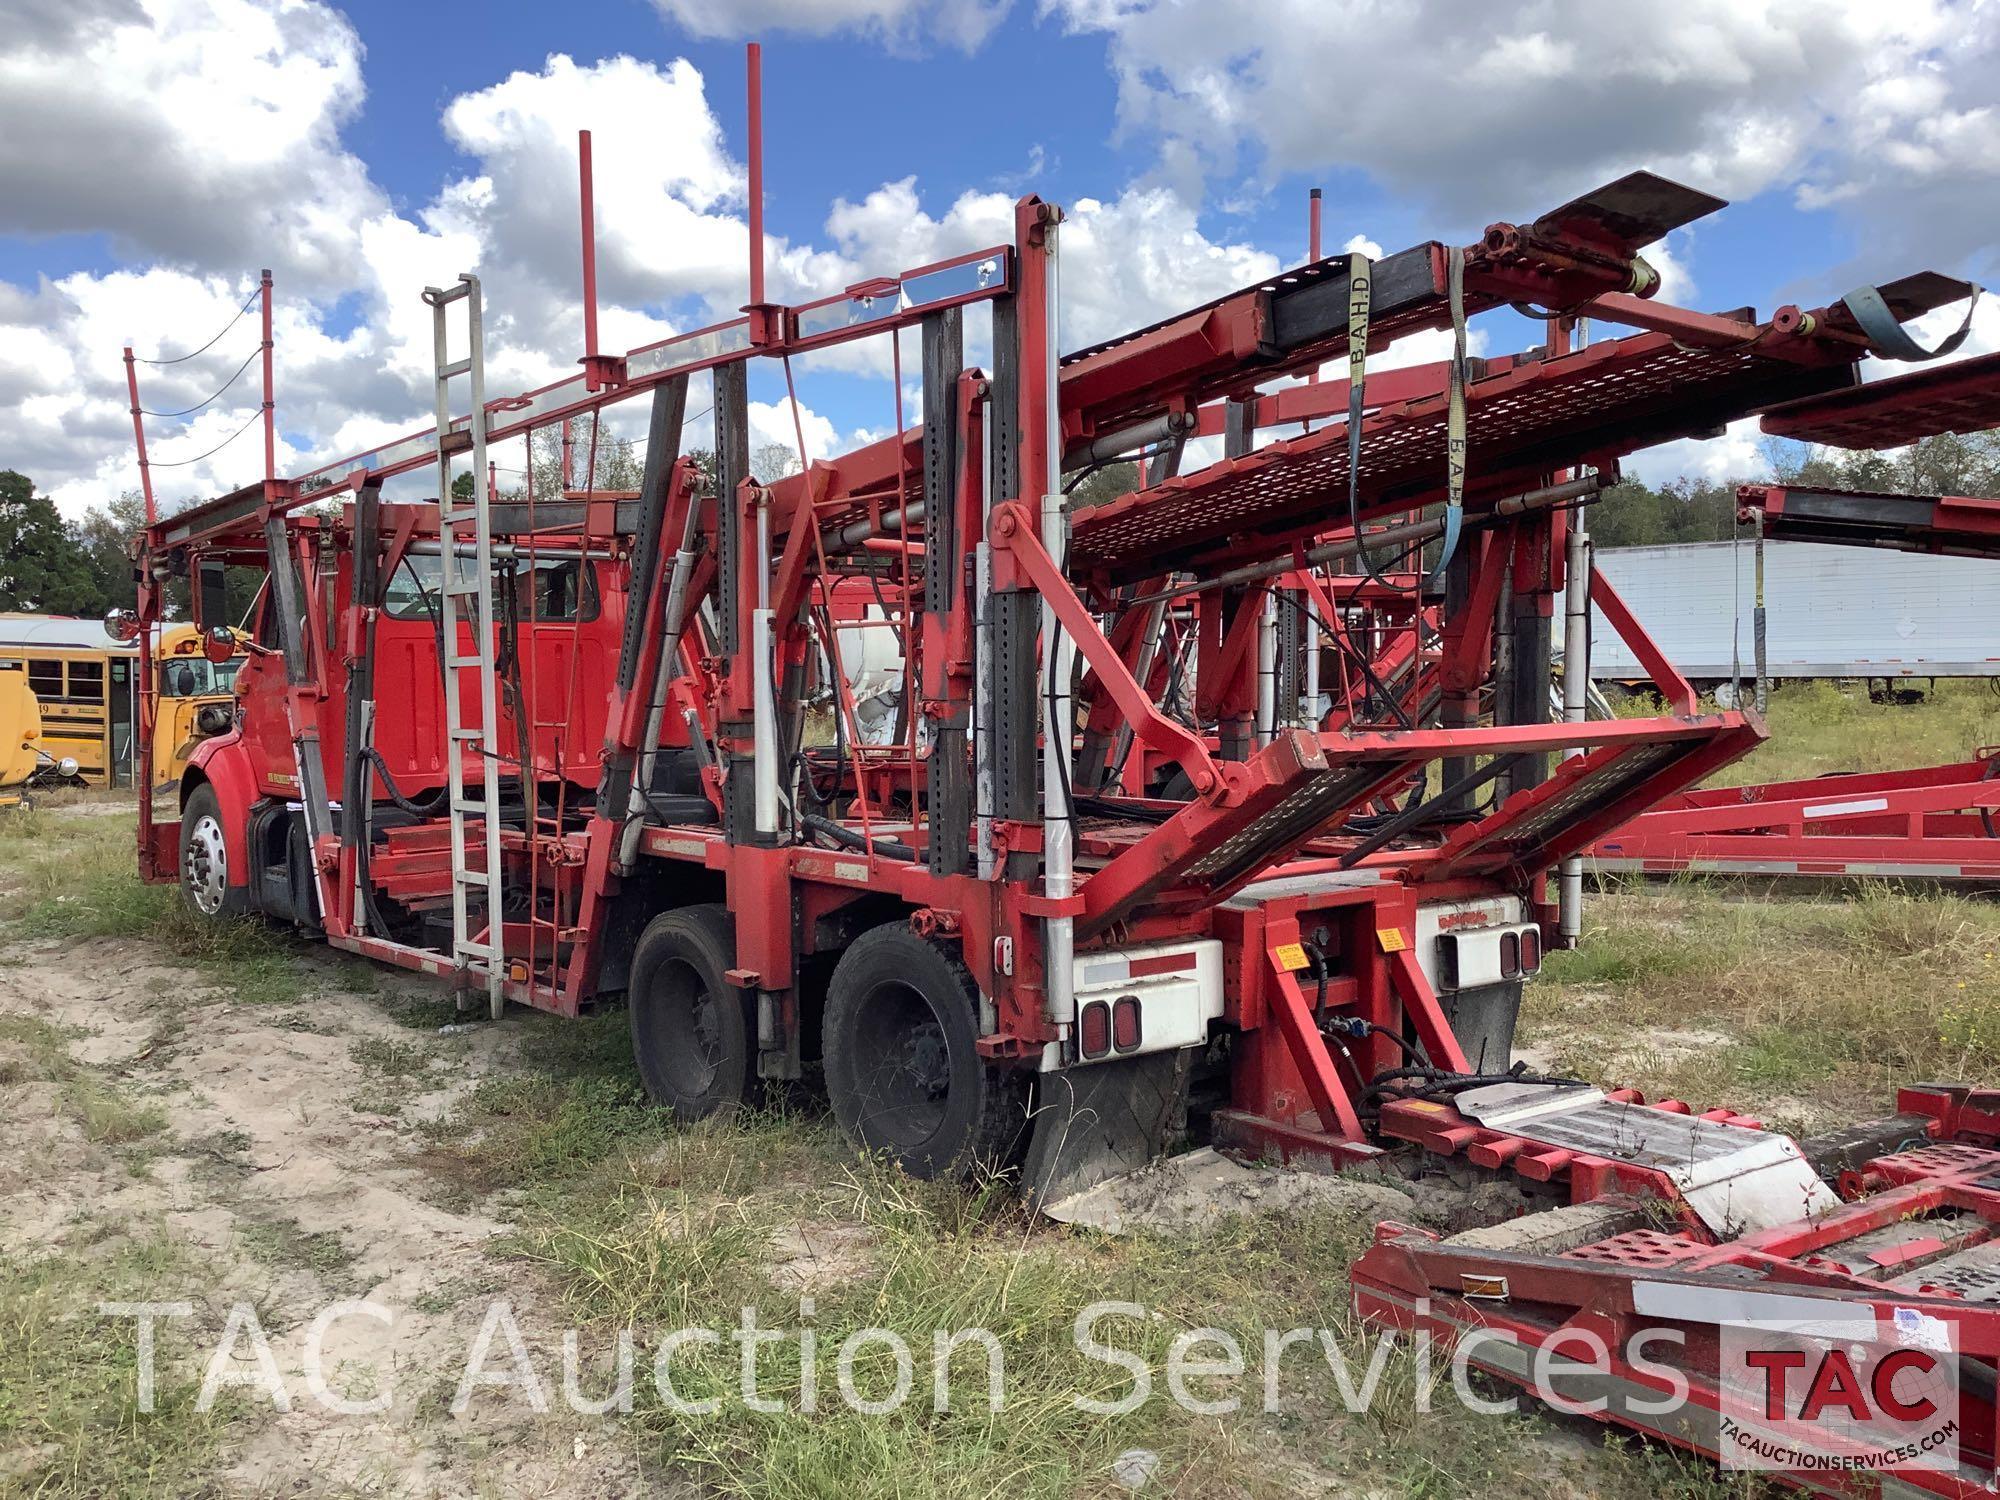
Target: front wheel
[(205, 882), (903, 1070)]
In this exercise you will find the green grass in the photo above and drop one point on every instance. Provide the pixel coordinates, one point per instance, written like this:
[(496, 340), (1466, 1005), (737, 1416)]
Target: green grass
[(287, 1245), (79, 879), (1820, 727), (389, 1058), (107, 1114), (1814, 1004), (70, 1423), (636, 1223)]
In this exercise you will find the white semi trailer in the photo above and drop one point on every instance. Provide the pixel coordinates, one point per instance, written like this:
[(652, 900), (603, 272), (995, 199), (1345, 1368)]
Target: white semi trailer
[(1829, 612)]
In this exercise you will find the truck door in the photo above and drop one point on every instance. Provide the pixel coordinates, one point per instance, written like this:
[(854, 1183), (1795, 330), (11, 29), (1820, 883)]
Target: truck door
[(260, 689)]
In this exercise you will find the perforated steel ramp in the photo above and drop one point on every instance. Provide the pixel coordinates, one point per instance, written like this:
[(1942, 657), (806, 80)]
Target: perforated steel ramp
[(1294, 791), (1959, 397), (1298, 789), (1588, 795), (1608, 399), (1737, 1179), (1973, 1274), (1909, 1263)]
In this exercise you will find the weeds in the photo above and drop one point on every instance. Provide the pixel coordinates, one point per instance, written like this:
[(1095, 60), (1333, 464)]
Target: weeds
[(106, 1114), (1806, 1007), (1818, 727), (389, 1058), (287, 1245), (80, 880), (70, 1423), (644, 1225)]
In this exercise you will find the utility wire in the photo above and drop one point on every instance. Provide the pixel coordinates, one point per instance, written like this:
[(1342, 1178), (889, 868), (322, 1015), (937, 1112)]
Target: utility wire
[(181, 463), (183, 358), (190, 411)]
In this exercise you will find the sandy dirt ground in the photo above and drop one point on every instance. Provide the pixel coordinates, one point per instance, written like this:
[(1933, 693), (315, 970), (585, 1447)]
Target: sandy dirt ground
[(292, 1193)]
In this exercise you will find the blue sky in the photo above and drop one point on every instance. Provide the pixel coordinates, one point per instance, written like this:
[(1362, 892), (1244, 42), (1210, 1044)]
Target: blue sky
[(844, 114), (164, 148)]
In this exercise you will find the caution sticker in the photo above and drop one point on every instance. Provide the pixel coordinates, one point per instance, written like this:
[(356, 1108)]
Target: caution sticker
[(1291, 956), (1391, 939)]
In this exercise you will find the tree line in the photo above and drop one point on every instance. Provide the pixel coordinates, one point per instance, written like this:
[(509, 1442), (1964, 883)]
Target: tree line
[(1633, 514), (51, 565)]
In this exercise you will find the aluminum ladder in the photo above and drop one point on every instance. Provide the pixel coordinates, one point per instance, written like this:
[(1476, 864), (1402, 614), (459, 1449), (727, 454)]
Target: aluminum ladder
[(465, 593)]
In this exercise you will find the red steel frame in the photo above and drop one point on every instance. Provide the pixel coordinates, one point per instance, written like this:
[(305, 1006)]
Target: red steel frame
[(1944, 1198)]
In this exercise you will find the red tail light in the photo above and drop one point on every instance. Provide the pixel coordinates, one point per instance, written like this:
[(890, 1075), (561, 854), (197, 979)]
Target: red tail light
[(1510, 955), (1125, 1023), (1093, 1030), (1531, 950)]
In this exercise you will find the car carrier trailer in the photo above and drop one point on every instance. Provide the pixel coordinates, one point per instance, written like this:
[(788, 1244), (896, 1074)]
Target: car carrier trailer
[(1923, 823), (554, 748), (1831, 613)]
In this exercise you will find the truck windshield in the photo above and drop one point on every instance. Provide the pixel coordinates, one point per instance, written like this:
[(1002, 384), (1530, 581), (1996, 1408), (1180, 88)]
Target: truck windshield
[(554, 589), (197, 677)]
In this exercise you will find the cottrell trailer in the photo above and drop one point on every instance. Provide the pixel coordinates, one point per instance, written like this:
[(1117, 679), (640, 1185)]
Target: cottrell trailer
[(1108, 875)]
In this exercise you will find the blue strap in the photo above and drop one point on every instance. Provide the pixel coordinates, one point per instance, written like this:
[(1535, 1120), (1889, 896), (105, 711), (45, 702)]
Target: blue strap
[(1891, 339)]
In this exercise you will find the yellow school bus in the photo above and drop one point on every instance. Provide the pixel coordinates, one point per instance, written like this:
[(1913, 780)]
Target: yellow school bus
[(197, 698), (86, 683), (21, 757)]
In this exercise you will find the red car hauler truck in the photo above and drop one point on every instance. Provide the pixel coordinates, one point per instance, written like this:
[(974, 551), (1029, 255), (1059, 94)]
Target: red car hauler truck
[(560, 748)]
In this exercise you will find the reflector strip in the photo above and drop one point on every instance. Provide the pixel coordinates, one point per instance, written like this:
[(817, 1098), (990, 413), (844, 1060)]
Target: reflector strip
[(1839, 809)]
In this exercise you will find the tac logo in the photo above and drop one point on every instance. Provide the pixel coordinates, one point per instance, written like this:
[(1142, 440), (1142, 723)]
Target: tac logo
[(1839, 1396)]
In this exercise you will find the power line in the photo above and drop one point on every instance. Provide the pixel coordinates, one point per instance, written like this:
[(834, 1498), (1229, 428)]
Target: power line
[(181, 463), (183, 358), (190, 411)]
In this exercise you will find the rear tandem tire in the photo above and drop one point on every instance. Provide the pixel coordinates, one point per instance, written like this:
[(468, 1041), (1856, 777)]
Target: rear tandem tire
[(205, 874), (903, 1070), (694, 1034)]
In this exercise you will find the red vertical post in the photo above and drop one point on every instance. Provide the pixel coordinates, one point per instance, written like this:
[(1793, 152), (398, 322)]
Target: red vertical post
[(1031, 219), (587, 193), (270, 397), (139, 436), (756, 108), (1560, 342)]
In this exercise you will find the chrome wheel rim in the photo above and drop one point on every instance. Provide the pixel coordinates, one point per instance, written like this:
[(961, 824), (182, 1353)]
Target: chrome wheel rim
[(205, 866)]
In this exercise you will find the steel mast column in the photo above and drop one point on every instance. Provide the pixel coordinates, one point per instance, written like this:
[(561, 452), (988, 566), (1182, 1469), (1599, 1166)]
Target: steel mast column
[(1576, 697), (1058, 655)]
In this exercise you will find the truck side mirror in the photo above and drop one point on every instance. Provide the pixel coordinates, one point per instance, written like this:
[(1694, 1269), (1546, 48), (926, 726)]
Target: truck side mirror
[(219, 644)]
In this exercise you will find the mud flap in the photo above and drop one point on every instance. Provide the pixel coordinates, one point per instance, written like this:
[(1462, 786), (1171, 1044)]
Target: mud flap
[(1483, 1019), (1097, 1122)]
